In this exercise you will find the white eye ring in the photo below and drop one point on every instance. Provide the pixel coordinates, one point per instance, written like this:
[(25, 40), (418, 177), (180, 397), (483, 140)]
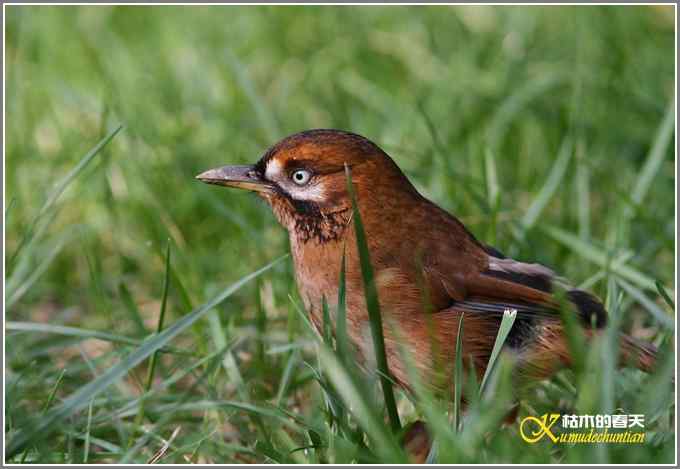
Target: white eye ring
[(301, 176)]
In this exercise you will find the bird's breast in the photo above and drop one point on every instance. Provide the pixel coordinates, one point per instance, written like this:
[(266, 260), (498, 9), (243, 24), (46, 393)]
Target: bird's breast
[(317, 273)]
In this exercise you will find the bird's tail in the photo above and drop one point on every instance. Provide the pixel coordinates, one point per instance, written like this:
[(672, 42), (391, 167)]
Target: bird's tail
[(550, 351), (638, 353)]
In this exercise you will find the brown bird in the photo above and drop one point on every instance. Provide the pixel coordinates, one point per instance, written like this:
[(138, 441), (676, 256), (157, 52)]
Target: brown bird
[(429, 269)]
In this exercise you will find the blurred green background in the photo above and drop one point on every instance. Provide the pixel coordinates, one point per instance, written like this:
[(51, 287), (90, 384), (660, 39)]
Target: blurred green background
[(547, 130)]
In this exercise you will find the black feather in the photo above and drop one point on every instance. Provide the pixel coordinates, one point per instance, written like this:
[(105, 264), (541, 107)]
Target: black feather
[(590, 308), (536, 281), (492, 251), (529, 316)]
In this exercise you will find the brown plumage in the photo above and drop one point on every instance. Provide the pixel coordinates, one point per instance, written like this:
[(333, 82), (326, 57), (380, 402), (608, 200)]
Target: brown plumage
[(429, 269)]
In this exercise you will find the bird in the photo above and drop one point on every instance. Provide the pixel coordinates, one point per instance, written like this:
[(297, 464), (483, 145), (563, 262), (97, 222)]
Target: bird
[(430, 271)]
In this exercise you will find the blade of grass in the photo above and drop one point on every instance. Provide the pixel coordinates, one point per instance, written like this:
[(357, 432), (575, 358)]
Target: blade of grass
[(334, 407), (15, 294), (22, 268), (582, 191), (9, 207), (661, 384), (303, 316), (509, 316), (493, 192), (168, 411), (664, 294), (607, 364), (341, 340), (161, 318), (462, 180), (516, 103), (166, 444), (84, 333), (80, 398), (654, 158), (132, 309), (129, 408), (264, 116), (551, 184), (365, 414), (373, 307), (260, 327), (575, 337), (48, 403), (660, 315), (458, 375), (432, 454), (287, 375), (597, 256), (327, 334), (424, 398), (59, 188), (86, 451)]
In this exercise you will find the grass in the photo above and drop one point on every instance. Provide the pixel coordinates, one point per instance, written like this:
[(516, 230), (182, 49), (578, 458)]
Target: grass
[(547, 130)]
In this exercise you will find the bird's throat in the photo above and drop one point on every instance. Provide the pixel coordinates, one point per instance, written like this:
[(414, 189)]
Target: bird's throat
[(321, 228), (308, 223)]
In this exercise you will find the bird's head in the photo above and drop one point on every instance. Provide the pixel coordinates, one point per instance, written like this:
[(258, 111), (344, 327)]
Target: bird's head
[(303, 178)]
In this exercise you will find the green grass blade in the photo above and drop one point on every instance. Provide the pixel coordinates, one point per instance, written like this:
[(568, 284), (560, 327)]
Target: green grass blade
[(341, 339), (161, 319), (458, 375), (597, 256), (664, 294), (20, 326), (264, 116), (493, 192), (59, 189), (513, 105), (61, 186), (80, 398), (661, 383), (130, 408), (373, 307), (326, 329), (365, 414), (167, 411), (509, 317), (583, 192), (654, 158), (432, 454), (48, 403), (9, 207), (551, 184), (287, 376), (575, 336), (492, 185), (87, 432), (131, 308), (16, 291), (660, 315), (428, 404)]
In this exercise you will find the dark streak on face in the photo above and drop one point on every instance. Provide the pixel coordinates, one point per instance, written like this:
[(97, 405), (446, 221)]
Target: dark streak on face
[(307, 222)]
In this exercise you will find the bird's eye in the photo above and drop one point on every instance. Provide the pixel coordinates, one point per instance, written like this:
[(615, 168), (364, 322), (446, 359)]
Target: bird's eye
[(301, 177)]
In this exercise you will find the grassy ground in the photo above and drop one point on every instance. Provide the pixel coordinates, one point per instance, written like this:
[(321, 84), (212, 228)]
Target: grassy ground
[(548, 131)]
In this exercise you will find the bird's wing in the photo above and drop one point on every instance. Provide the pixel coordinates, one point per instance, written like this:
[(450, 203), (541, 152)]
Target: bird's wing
[(531, 289), (458, 268), (535, 286)]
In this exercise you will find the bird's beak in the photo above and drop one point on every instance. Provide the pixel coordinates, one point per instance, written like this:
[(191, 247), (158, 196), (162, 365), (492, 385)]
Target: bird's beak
[(243, 177)]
